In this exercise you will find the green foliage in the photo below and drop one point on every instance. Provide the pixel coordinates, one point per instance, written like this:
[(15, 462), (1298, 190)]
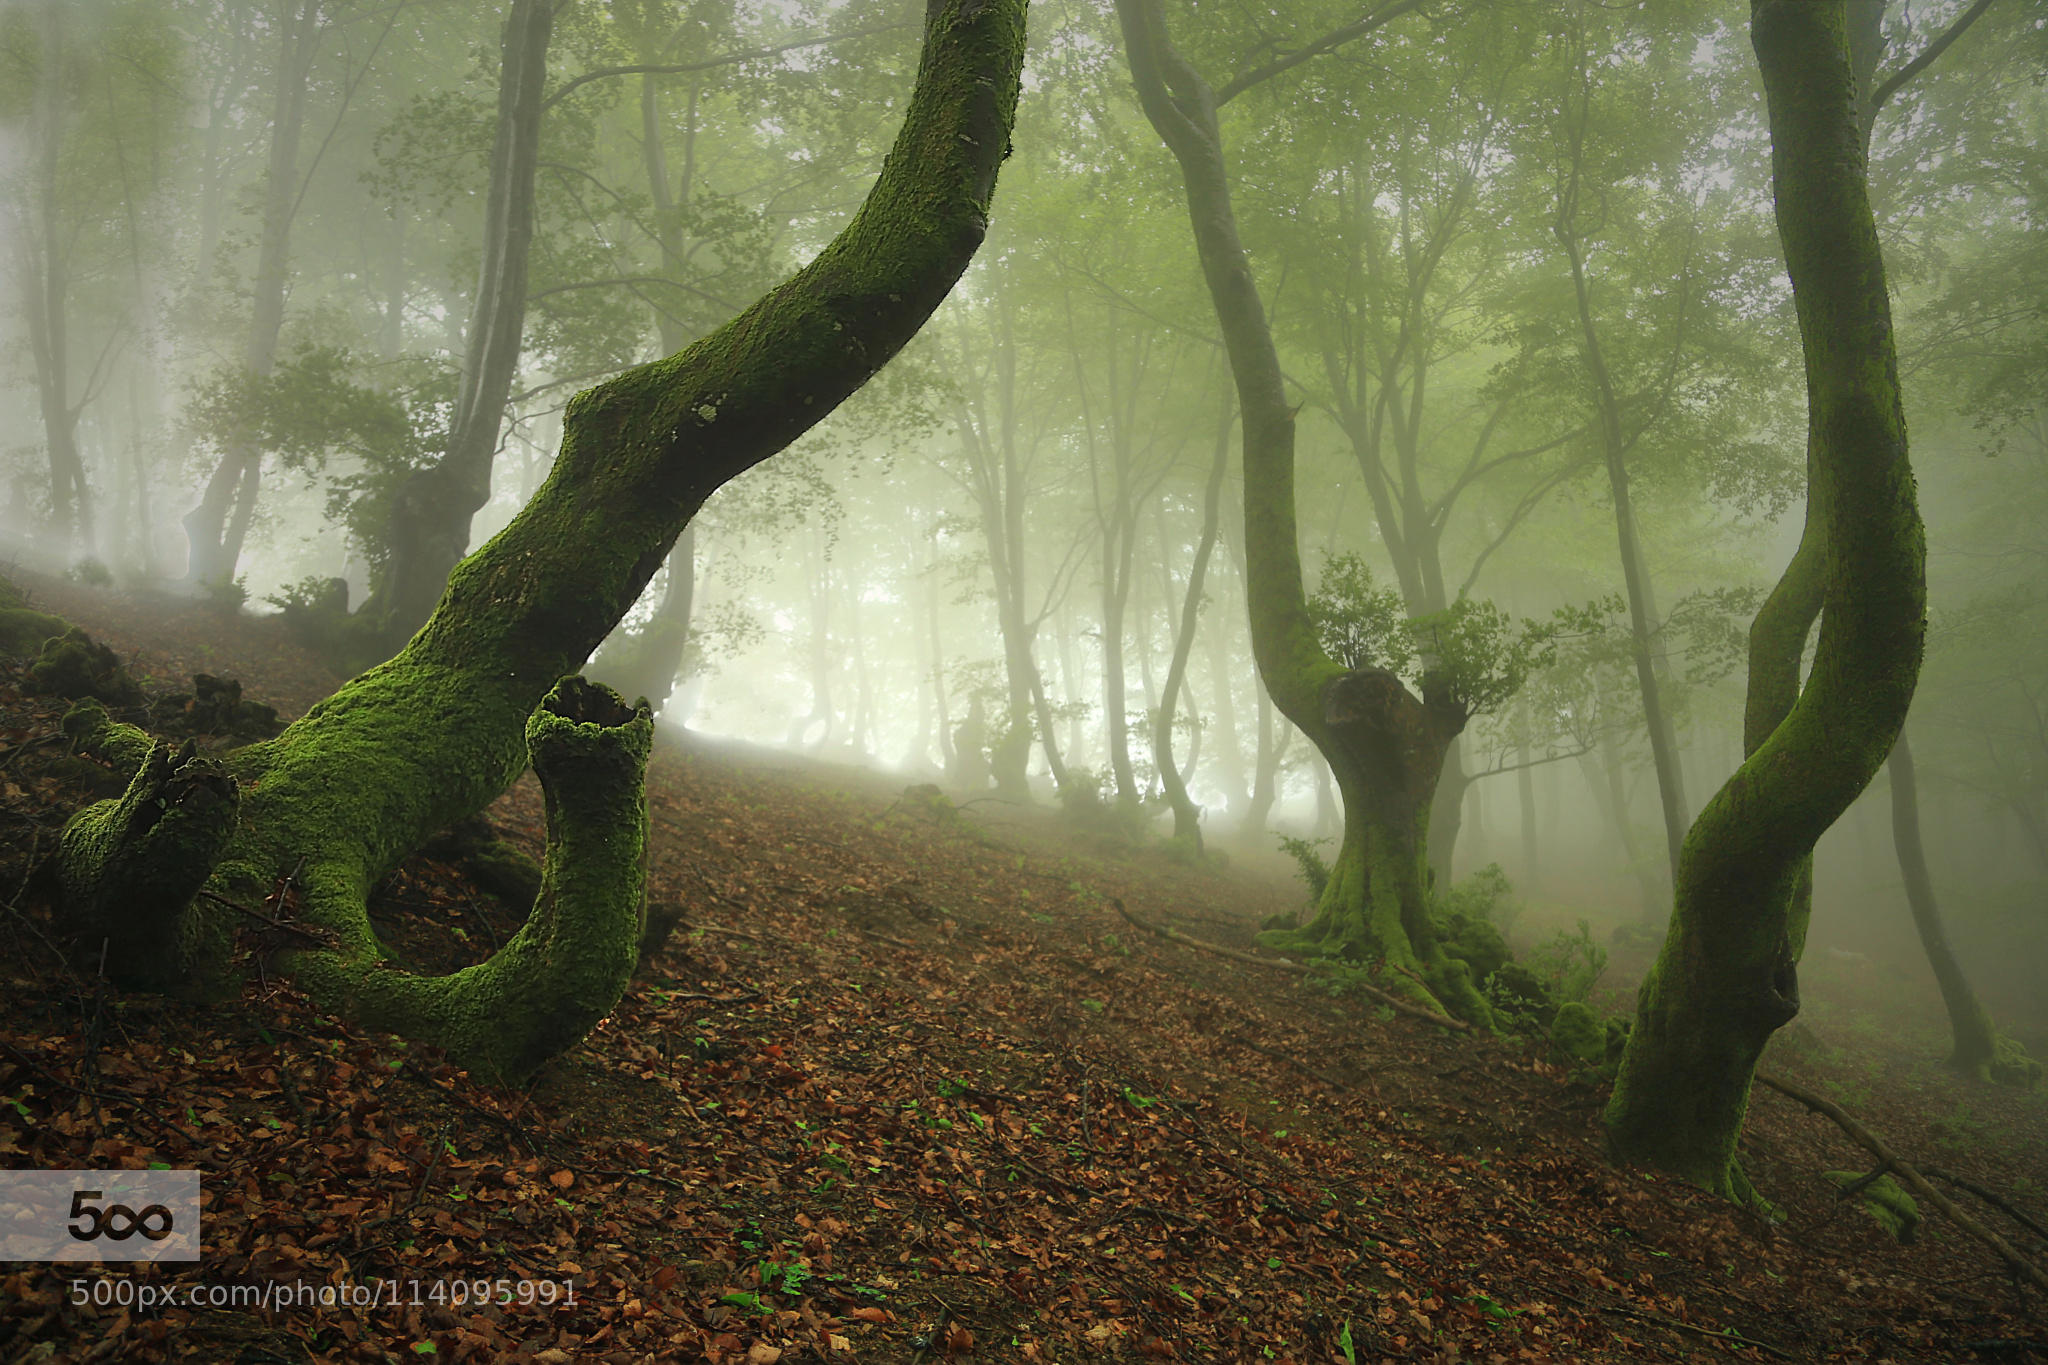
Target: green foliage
[(319, 415), (1314, 871), (1569, 964), (1485, 895), (1473, 650), (226, 598), (308, 407), (1577, 1032), (1360, 624), (91, 572)]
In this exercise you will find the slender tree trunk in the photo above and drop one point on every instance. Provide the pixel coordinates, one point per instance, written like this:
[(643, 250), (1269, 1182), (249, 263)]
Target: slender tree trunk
[(1385, 745), (433, 508), (1727, 977), (647, 662), (1272, 751), (1187, 816), (1975, 1037), (216, 528), (1642, 624), (45, 259), (652, 659), (1447, 816), (1525, 798)]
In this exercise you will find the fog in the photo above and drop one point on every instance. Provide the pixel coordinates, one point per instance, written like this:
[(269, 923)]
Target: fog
[(243, 244)]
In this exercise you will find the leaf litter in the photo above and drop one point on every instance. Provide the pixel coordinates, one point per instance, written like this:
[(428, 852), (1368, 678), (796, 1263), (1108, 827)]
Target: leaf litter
[(900, 1089)]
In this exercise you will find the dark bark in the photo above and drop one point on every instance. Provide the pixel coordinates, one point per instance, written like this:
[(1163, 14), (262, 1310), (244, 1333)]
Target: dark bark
[(1376, 735), (433, 508), (217, 527), (436, 733), (1187, 816), (1977, 1047), (1726, 977), (647, 662)]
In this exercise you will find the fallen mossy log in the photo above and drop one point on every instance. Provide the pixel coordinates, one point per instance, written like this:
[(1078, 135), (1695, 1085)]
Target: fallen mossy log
[(432, 736), (1283, 964), (1870, 1142)]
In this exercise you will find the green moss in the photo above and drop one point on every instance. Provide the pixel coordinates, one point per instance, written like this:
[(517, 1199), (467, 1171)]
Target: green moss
[(130, 870), (433, 735), (2010, 1065), (1887, 1202), (1726, 976), (24, 632), (73, 665), (1578, 1032), (570, 962)]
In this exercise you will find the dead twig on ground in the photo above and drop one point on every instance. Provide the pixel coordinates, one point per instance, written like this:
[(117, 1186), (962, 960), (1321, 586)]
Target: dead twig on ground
[(2021, 1266), (1990, 1197), (1391, 1001)]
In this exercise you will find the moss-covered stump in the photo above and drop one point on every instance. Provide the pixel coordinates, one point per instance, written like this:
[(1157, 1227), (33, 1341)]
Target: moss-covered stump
[(214, 707), (132, 869), (2010, 1065), (74, 665), (23, 629)]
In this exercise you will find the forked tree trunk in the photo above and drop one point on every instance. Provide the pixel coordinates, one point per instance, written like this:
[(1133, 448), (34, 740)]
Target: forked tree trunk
[(1385, 746), (1727, 975), (434, 734), (216, 528), (1187, 816)]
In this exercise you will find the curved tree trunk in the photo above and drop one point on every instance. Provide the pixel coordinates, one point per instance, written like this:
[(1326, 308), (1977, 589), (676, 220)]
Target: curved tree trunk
[(437, 732), (1187, 816), (1727, 975), (1385, 746), (1977, 1051)]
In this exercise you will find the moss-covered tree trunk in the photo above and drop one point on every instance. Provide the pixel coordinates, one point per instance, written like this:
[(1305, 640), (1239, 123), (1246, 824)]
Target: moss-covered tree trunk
[(1727, 976), (437, 732), (1384, 745)]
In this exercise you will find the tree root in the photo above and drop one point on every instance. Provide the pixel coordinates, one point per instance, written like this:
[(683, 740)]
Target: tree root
[(2020, 1265), (1392, 1002)]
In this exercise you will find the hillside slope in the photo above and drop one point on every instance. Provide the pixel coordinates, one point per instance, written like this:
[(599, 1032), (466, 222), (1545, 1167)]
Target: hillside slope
[(906, 1086)]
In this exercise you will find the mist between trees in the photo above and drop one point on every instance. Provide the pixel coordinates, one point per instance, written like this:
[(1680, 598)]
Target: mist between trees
[(1419, 500)]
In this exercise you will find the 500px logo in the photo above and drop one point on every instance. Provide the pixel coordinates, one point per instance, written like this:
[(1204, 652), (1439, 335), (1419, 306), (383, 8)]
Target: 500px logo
[(99, 1215), (102, 1222)]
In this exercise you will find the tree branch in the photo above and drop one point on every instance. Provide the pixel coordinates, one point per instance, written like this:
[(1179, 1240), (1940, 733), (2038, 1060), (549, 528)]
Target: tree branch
[(710, 63), (1330, 41), (1892, 84)]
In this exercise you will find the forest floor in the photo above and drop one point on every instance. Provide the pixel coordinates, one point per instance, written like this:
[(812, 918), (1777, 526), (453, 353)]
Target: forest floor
[(908, 1088)]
